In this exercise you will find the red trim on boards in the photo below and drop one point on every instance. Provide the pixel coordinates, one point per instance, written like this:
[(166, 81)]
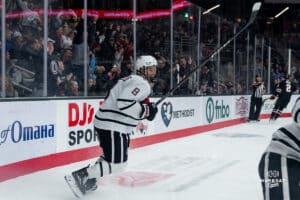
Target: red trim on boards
[(152, 139), (46, 162), (265, 116)]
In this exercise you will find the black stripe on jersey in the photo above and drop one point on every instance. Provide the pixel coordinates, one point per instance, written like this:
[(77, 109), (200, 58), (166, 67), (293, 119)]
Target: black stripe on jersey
[(125, 100), (128, 106), (115, 121), (101, 169), (119, 113), (296, 115), (291, 136), (286, 144), (259, 91), (109, 165)]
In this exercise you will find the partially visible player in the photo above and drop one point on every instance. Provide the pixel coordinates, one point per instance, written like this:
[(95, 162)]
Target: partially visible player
[(283, 90), (279, 167), (126, 104), (258, 90)]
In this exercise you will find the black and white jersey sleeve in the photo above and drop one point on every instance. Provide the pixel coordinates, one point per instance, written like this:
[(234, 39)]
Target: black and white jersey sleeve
[(122, 108), (286, 142), (258, 90)]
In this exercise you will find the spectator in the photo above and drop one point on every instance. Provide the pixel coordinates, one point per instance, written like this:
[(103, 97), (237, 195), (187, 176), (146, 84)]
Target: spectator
[(78, 54), (206, 80), (101, 82), (229, 89), (34, 53), (58, 79), (17, 46), (72, 88), (127, 68), (66, 57), (128, 49), (184, 68), (119, 55), (113, 77), (107, 55), (67, 36), (9, 88), (91, 87), (162, 80), (58, 37)]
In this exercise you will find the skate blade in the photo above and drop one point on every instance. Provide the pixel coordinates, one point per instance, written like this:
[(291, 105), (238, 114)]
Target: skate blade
[(72, 185)]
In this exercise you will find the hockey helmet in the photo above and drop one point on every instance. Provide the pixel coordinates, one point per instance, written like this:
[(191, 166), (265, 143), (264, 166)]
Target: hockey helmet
[(296, 112), (145, 61)]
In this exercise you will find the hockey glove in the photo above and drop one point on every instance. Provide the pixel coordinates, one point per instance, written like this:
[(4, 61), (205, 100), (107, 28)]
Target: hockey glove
[(152, 111), (272, 97), (148, 111), (145, 111)]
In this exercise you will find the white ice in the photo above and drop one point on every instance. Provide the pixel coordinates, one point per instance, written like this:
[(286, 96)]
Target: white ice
[(216, 165)]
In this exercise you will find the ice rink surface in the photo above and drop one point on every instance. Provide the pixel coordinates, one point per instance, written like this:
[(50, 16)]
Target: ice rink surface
[(216, 165)]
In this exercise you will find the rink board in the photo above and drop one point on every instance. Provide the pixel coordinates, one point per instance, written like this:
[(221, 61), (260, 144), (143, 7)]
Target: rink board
[(39, 135)]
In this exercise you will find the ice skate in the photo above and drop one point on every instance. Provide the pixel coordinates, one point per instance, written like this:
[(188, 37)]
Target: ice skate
[(77, 182), (91, 185), (73, 186)]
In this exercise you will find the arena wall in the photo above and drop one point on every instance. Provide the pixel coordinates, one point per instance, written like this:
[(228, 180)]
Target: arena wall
[(39, 135)]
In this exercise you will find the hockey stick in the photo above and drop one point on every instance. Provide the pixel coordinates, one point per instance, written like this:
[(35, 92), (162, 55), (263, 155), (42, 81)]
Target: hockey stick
[(269, 98), (264, 101), (254, 12)]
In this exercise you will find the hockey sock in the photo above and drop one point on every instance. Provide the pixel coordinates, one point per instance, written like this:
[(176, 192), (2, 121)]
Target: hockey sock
[(102, 168)]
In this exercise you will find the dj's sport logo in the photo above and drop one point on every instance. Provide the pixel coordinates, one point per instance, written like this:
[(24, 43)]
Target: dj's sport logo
[(80, 118), (216, 110), (80, 115)]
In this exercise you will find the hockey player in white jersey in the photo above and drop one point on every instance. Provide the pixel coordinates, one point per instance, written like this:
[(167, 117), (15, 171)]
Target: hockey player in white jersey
[(125, 105), (279, 167)]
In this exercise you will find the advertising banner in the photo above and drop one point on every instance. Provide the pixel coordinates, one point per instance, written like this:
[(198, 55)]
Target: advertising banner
[(75, 127), (27, 130), (178, 113), (241, 106), (217, 109)]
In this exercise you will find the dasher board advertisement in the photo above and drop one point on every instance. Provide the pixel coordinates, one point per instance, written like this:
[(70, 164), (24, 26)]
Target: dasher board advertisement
[(27, 130)]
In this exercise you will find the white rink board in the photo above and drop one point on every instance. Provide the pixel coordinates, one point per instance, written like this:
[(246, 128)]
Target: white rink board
[(71, 122), (269, 104), (27, 130)]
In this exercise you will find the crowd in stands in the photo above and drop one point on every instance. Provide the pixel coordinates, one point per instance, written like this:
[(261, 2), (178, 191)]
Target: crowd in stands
[(110, 55)]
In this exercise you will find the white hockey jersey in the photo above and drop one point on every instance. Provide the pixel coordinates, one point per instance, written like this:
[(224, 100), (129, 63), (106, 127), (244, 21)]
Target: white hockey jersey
[(121, 110), (286, 141)]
